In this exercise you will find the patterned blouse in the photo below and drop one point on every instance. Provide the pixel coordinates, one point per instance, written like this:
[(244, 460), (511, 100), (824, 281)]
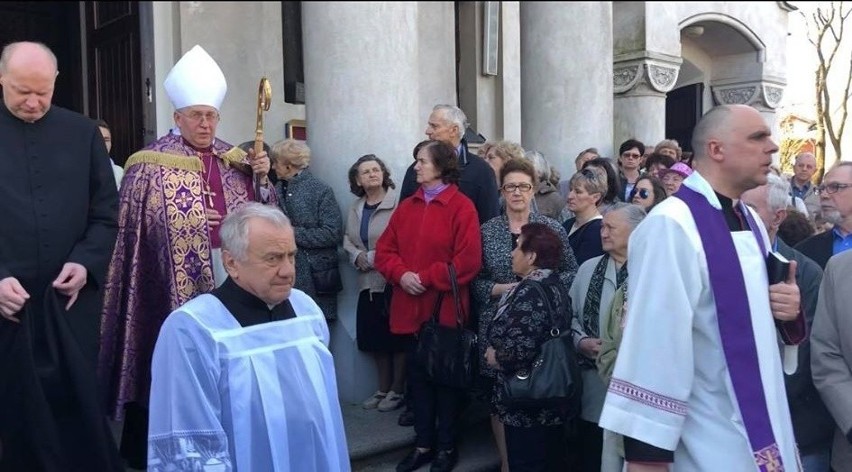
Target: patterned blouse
[(519, 328), (497, 245)]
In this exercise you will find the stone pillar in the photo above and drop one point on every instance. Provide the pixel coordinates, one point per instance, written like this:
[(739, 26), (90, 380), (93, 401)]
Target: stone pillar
[(373, 71), (566, 94), (764, 95), (640, 85)]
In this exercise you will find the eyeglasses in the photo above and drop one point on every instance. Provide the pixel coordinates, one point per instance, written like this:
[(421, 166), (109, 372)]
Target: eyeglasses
[(643, 193), (511, 188), (831, 188), (631, 155), (196, 116)]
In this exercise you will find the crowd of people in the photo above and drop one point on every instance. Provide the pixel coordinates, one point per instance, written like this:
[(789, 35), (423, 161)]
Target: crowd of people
[(194, 291)]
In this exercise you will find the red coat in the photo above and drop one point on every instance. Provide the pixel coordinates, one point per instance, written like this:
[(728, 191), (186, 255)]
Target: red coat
[(424, 238)]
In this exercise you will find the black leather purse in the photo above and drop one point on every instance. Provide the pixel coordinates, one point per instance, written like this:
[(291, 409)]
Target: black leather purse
[(325, 274), (448, 354), (554, 378)]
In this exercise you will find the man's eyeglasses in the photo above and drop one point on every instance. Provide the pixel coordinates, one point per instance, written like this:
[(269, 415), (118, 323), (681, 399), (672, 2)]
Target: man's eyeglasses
[(831, 188), (643, 193), (511, 188), (196, 116)]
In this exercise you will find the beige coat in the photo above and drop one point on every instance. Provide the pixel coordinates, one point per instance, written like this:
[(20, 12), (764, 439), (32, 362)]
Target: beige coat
[(353, 245), (831, 353)]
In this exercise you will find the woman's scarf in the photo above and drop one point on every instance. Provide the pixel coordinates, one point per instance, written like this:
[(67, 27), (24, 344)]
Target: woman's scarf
[(592, 306)]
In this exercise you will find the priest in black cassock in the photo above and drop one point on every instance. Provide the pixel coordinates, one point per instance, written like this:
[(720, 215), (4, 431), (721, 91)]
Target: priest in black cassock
[(58, 206)]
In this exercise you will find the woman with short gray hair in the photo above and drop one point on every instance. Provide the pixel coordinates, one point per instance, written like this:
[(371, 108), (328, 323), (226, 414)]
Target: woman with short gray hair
[(317, 223), (592, 295)]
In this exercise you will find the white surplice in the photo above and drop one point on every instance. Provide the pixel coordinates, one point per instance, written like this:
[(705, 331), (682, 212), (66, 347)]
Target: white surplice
[(671, 387), (256, 399)]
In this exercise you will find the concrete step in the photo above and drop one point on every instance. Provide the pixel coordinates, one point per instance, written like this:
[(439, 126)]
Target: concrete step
[(377, 443)]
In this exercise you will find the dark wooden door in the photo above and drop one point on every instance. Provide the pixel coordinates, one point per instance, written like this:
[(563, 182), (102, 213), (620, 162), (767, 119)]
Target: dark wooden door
[(57, 25), (115, 80), (683, 110)]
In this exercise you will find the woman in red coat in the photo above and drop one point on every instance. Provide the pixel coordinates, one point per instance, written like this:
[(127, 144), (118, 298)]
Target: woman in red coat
[(436, 226)]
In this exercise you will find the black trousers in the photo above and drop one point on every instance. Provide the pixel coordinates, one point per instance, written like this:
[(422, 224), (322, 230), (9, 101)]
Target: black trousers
[(535, 449), (590, 440), (432, 403)]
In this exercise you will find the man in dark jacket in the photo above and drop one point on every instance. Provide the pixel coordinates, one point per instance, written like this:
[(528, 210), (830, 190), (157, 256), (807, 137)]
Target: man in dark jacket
[(59, 203), (812, 423), (447, 123)]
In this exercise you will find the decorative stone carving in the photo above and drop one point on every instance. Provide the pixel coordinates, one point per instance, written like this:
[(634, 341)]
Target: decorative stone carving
[(739, 95), (772, 95), (762, 95), (624, 78), (662, 78), (644, 76)]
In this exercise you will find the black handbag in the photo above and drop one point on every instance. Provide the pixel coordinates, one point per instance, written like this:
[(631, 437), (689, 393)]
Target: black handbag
[(448, 354), (553, 379), (327, 281), (325, 273)]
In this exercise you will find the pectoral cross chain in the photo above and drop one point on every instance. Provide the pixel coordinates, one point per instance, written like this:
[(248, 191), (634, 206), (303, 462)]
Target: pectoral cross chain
[(206, 191)]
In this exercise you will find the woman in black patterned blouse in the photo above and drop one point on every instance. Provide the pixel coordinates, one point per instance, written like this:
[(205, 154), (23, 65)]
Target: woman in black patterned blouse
[(499, 237), (525, 317)]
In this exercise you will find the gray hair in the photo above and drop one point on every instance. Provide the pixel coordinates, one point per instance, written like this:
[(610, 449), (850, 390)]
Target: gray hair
[(454, 115), (777, 193), (9, 49), (540, 164), (632, 212), (235, 227)]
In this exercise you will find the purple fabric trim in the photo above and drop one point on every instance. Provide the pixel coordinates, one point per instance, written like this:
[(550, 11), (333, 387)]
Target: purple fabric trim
[(647, 397), (734, 318)]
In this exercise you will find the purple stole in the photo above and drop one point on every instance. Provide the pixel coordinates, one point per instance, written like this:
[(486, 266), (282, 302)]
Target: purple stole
[(734, 318)]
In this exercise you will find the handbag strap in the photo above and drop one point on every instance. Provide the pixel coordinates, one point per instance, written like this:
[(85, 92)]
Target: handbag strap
[(454, 283), (550, 310)]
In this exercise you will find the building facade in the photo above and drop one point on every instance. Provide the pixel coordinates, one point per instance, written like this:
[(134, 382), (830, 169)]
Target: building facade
[(558, 77)]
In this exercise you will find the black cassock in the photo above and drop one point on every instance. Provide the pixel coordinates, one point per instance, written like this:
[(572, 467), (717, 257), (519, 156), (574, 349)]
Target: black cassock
[(58, 204)]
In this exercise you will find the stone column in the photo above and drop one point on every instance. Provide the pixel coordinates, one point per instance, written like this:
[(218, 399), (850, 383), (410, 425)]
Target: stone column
[(640, 82), (764, 95), (373, 71), (566, 92)]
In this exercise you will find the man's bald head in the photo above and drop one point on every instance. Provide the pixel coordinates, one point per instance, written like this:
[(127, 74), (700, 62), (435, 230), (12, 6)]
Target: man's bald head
[(27, 53), (733, 148), (28, 75)]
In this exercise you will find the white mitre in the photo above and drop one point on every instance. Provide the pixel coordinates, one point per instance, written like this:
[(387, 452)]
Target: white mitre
[(196, 79)]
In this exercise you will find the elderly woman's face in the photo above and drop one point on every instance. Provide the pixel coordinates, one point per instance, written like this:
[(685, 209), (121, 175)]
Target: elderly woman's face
[(370, 175), (667, 151), (427, 172), (495, 161), (615, 231), (284, 169), (517, 189)]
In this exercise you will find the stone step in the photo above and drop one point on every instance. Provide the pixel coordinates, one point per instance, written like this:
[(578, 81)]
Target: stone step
[(377, 443)]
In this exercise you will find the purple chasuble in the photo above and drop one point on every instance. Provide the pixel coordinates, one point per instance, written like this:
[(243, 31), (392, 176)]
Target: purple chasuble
[(735, 327)]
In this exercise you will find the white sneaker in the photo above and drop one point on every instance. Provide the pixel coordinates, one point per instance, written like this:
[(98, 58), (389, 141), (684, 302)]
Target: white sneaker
[(373, 402), (391, 402)]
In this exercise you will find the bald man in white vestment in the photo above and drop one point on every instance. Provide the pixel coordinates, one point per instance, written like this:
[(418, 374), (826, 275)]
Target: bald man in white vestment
[(699, 384)]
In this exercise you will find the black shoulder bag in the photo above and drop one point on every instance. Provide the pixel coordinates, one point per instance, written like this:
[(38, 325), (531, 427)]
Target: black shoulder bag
[(553, 379), (447, 353)]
